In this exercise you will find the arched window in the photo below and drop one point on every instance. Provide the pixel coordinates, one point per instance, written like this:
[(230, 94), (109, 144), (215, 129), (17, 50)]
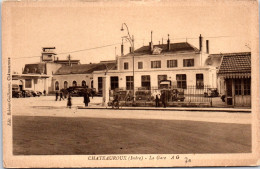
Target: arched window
[(92, 85), (65, 85), (57, 85), (83, 83), (74, 83)]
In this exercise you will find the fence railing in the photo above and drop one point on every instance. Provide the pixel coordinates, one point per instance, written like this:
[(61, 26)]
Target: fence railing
[(172, 94)]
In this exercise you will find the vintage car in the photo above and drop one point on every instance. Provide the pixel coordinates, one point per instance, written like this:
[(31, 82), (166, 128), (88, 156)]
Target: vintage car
[(78, 91), (36, 93), (143, 95), (211, 92), (27, 93), (16, 93), (177, 94)]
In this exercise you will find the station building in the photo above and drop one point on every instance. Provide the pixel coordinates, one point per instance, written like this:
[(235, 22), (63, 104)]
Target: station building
[(181, 63)]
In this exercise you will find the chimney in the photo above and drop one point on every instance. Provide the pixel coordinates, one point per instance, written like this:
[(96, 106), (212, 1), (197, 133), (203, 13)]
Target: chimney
[(162, 41), (151, 43), (130, 49), (168, 43), (200, 41), (207, 46), (122, 48)]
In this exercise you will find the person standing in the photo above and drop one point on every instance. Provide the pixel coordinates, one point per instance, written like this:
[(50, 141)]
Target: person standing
[(157, 101), (86, 99), (163, 98), (44, 92), (61, 95), (57, 95), (69, 103)]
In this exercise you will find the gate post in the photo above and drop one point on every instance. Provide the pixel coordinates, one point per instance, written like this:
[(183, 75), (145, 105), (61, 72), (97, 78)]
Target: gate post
[(105, 91)]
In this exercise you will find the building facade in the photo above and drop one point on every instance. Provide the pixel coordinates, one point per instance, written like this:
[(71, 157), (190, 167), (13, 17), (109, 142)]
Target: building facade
[(181, 63)]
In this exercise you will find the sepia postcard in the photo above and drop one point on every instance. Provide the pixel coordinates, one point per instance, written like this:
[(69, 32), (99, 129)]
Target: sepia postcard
[(130, 83)]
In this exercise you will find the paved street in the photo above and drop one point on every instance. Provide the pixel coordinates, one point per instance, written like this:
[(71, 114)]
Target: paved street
[(45, 126)]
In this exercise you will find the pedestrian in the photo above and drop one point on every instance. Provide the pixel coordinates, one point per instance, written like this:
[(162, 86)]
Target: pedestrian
[(44, 92), (115, 102), (92, 93), (69, 103), (61, 95), (157, 101), (23, 92), (57, 95), (86, 98), (163, 98)]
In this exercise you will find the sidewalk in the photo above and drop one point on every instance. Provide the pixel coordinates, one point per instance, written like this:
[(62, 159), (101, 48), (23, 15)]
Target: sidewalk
[(200, 109)]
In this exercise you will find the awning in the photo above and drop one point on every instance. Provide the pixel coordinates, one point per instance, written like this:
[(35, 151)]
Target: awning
[(235, 75)]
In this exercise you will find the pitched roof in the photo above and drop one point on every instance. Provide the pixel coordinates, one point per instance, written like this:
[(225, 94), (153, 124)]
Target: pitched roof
[(37, 68), (235, 63), (174, 47), (85, 68)]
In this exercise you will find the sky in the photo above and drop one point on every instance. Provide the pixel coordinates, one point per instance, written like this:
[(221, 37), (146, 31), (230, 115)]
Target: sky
[(73, 28)]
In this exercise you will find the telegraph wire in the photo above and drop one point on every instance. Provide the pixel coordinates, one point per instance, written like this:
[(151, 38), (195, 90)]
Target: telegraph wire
[(75, 51)]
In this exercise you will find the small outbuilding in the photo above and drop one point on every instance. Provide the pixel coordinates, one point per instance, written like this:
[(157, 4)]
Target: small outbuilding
[(235, 71)]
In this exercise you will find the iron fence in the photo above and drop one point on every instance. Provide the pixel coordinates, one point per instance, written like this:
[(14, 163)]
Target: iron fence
[(191, 94)]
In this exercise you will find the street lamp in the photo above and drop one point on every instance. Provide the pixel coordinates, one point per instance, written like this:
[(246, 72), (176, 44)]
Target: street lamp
[(131, 41)]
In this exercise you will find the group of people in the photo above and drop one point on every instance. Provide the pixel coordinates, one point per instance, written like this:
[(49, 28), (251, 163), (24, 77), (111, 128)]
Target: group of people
[(61, 95), (161, 97)]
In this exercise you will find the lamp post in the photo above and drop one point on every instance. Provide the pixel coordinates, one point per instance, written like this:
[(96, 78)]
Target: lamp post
[(131, 41)]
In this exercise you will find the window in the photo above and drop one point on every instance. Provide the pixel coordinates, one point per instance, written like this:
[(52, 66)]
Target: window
[(126, 65), (57, 86), (238, 89), (129, 83), (113, 82), (100, 84), (28, 83), (140, 65), (91, 84), (74, 83), (199, 81), (83, 83), (156, 64), (65, 85), (172, 63), (247, 86), (146, 83), (188, 62), (160, 78), (181, 81)]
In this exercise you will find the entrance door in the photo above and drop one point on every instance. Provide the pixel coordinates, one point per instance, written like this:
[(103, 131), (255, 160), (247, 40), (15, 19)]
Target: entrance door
[(113, 82), (21, 85), (100, 85), (229, 91)]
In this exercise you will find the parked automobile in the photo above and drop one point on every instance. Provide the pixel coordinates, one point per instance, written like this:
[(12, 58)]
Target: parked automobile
[(26, 93), (36, 93), (177, 95), (78, 91), (211, 92), (143, 95), (16, 94)]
